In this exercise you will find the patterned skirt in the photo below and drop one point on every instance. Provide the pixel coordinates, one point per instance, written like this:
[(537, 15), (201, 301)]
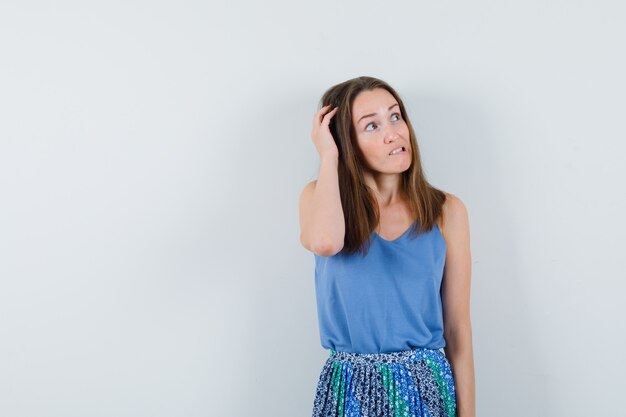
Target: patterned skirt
[(410, 383)]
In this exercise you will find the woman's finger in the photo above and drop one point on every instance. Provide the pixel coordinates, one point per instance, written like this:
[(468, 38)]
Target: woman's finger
[(322, 109), (327, 116)]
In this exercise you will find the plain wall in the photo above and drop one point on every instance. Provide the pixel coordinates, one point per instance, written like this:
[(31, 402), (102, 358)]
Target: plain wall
[(151, 159)]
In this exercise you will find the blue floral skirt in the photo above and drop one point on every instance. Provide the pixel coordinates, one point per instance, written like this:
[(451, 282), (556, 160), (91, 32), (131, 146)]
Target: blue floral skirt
[(410, 383)]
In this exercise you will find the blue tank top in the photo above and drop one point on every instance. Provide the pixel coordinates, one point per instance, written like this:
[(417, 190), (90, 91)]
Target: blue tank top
[(386, 301)]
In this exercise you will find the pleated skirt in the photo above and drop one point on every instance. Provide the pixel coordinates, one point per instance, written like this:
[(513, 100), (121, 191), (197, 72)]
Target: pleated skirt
[(410, 383)]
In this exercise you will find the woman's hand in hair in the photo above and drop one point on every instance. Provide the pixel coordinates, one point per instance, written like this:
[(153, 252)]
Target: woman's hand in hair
[(322, 138)]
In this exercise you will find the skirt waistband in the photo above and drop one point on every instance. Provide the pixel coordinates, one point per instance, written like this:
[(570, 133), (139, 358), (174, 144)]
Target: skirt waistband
[(410, 355)]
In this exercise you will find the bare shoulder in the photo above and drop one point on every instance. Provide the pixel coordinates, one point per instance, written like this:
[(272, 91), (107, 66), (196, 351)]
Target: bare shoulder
[(454, 206), (455, 217)]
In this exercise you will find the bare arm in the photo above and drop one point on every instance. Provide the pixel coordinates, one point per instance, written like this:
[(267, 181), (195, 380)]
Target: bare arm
[(322, 226), (456, 304)]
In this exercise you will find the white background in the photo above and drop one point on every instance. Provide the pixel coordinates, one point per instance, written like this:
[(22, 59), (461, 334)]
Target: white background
[(151, 159)]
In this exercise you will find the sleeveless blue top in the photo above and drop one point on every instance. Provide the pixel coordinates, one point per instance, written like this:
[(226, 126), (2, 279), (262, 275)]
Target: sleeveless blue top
[(386, 301)]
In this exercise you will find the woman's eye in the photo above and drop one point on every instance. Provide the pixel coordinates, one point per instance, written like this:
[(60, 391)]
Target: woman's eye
[(366, 127), (397, 115)]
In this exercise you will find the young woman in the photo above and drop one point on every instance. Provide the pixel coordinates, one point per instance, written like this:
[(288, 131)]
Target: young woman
[(392, 265)]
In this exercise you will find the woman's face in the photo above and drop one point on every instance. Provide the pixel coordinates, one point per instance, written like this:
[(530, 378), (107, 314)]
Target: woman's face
[(380, 129)]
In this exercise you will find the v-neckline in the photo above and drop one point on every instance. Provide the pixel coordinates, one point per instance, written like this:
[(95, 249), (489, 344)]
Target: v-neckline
[(399, 237)]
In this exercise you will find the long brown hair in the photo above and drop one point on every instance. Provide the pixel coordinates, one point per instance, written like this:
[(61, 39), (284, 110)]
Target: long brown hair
[(360, 209)]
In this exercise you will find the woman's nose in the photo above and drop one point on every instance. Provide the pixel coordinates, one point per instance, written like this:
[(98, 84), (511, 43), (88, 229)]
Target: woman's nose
[(391, 134)]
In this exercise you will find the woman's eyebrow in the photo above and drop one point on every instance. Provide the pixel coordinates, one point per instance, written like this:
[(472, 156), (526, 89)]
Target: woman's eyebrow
[(374, 114)]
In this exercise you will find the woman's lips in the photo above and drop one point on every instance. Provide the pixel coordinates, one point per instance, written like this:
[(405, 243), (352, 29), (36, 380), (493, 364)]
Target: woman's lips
[(403, 150)]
